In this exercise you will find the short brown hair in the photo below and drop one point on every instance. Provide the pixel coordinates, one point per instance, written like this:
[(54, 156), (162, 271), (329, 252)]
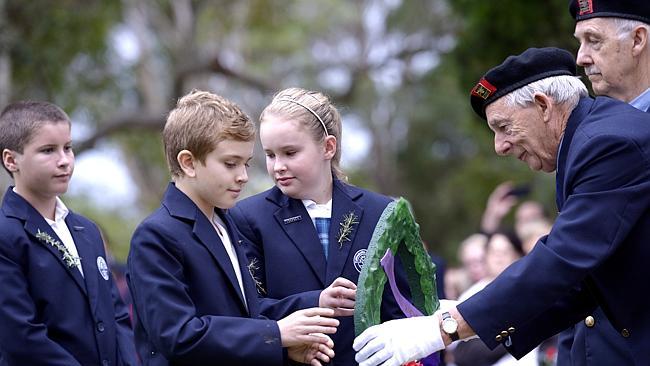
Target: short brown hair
[(297, 104), (19, 121), (199, 122)]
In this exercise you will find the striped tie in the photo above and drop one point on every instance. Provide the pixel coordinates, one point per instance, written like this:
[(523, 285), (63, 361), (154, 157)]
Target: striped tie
[(323, 228)]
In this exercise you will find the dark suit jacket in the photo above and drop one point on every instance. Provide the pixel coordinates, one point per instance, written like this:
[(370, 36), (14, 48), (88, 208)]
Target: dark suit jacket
[(283, 243), (597, 252), (188, 306), (595, 345), (49, 313)]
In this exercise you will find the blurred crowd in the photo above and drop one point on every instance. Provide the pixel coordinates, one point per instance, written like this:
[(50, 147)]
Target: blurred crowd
[(483, 255)]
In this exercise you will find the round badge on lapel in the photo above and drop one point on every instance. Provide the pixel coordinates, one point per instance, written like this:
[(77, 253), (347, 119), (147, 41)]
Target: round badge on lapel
[(359, 258), (102, 267)]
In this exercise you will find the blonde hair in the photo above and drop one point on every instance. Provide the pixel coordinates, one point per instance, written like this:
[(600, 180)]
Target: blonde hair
[(313, 110), (199, 122)]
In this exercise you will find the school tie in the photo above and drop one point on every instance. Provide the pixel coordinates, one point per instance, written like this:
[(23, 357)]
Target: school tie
[(323, 228)]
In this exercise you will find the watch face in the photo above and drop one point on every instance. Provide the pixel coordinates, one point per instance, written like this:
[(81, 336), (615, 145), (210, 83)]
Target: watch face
[(449, 326)]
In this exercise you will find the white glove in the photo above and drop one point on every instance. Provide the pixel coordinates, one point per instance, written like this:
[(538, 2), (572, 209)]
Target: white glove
[(445, 305), (398, 341)]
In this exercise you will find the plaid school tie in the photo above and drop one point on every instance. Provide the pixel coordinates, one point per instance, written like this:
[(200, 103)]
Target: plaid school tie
[(323, 228)]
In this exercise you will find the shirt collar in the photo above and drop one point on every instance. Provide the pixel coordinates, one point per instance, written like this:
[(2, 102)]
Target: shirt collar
[(60, 212), (642, 102), (318, 210)]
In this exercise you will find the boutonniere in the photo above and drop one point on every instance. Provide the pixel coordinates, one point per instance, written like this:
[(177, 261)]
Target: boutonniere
[(69, 259), (347, 226), (252, 268)]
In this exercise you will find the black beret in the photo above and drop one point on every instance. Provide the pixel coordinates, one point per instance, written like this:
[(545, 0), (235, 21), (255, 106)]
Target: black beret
[(628, 9), (518, 71)]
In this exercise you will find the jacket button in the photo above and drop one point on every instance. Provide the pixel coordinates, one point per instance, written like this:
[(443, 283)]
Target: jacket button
[(105, 363), (511, 330), (504, 334), (498, 338), (100, 327), (590, 321), (625, 333)]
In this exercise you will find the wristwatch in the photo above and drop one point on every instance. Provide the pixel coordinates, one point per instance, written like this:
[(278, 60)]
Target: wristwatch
[(450, 326)]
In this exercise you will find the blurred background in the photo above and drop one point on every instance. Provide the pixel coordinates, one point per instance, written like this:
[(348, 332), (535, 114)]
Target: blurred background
[(399, 71)]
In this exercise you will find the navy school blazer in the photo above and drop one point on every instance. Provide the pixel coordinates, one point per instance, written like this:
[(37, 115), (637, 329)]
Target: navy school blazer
[(188, 306), (597, 252), (49, 313), (282, 242)]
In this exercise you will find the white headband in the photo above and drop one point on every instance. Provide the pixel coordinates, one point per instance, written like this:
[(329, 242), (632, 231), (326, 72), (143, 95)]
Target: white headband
[(307, 108)]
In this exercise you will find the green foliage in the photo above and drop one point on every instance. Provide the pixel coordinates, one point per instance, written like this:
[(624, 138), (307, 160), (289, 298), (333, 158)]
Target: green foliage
[(45, 38), (496, 29), (397, 231)]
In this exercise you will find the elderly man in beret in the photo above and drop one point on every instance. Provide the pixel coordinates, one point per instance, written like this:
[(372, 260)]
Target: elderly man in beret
[(614, 47), (614, 51), (541, 114)]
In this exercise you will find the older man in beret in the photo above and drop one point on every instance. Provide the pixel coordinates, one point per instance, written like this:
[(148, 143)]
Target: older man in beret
[(541, 114), (614, 51), (614, 47)]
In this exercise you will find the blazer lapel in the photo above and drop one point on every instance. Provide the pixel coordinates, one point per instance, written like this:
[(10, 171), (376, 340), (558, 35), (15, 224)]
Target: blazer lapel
[(576, 117), (35, 223), (181, 206), (250, 290), (88, 256), (343, 207), (296, 223), (206, 233)]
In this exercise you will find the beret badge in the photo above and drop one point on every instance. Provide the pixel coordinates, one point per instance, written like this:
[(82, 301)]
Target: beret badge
[(483, 89), (586, 7)]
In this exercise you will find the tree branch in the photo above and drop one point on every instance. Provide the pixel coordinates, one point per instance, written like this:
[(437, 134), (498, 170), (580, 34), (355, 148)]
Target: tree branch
[(137, 121)]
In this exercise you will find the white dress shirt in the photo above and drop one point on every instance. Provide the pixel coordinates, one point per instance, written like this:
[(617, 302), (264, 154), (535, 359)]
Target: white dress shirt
[(220, 227), (61, 229)]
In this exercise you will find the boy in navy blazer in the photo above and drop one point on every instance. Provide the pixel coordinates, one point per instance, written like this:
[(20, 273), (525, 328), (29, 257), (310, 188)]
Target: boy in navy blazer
[(194, 299), (58, 304)]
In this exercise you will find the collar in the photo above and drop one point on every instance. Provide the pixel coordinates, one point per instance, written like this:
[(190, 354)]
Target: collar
[(318, 210), (61, 211), (276, 196), (642, 102)]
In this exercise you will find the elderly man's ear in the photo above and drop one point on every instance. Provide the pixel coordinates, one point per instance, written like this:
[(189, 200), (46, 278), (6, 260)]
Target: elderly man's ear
[(640, 40), (544, 105)]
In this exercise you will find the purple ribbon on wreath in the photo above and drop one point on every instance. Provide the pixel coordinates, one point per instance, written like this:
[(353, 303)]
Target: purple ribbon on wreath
[(388, 264)]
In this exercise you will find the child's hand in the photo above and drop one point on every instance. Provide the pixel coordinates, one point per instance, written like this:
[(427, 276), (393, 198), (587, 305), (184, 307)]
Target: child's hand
[(340, 296), (300, 327), (315, 354)]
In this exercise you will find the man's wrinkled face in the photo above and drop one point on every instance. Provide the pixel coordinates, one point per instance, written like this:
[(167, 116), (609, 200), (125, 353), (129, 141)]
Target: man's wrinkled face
[(606, 57), (521, 132)]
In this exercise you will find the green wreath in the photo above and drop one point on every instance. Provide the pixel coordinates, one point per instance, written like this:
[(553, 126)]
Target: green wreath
[(396, 230)]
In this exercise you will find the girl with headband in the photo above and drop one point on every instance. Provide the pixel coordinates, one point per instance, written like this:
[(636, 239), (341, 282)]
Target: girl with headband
[(307, 236)]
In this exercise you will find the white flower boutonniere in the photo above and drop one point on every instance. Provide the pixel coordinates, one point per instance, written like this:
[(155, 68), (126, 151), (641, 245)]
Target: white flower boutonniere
[(69, 259), (347, 226)]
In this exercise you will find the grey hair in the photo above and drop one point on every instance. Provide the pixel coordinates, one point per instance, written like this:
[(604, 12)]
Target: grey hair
[(562, 89), (625, 26)]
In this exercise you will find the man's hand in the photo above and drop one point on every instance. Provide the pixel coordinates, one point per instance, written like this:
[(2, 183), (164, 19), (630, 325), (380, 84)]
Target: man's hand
[(340, 296), (315, 354), (397, 341), (302, 327)]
